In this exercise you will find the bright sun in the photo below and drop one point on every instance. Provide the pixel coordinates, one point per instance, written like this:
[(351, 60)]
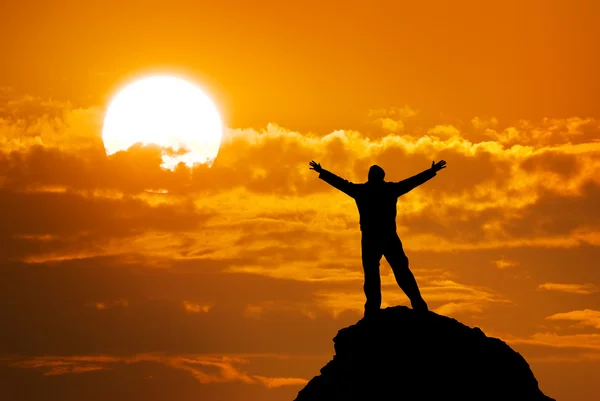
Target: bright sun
[(165, 111)]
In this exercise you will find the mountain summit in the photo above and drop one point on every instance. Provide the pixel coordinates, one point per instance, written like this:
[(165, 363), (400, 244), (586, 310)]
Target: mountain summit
[(402, 354)]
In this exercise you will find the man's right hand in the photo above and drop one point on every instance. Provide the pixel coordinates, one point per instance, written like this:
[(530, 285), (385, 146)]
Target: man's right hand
[(315, 166), (438, 166)]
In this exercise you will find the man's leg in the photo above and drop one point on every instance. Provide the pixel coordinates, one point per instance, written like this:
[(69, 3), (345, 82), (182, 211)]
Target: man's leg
[(371, 255), (394, 253)]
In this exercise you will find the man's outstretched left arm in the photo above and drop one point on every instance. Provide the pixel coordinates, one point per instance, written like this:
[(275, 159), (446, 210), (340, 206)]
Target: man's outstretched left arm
[(410, 183)]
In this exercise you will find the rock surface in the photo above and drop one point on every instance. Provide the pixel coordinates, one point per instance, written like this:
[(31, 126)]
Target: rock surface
[(401, 354)]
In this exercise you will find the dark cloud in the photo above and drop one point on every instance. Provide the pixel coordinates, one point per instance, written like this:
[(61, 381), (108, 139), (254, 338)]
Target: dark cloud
[(564, 165), (556, 214), (148, 380), (27, 109), (47, 309), (41, 222)]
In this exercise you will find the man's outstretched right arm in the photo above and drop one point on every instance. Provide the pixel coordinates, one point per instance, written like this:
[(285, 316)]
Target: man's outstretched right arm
[(335, 181)]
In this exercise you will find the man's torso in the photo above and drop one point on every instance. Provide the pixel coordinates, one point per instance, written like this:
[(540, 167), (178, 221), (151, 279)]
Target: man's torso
[(376, 204)]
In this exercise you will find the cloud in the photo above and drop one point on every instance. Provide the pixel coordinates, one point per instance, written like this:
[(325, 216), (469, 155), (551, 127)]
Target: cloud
[(54, 367), (570, 347), (207, 369), (390, 125), (452, 297), (400, 112), (552, 163), (444, 130), (575, 341), (547, 132), (257, 236), (490, 196), (257, 239), (484, 122), (274, 382), (577, 357), (195, 307), (503, 263), (584, 289), (45, 222), (257, 311), (586, 317), (119, 303), (454, 308), (27, 121), (156, 290)]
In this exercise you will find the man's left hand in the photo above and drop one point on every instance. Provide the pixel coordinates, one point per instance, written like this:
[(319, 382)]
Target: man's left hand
[(438, 166)]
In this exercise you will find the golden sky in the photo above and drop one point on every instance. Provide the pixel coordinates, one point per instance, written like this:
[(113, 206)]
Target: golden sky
[(124, 281)]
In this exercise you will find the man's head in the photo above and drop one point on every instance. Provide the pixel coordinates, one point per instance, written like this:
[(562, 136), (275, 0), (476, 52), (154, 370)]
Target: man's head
[(376, 173)]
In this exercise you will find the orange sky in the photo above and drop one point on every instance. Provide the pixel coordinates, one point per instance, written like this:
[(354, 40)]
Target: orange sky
[(231, 285)]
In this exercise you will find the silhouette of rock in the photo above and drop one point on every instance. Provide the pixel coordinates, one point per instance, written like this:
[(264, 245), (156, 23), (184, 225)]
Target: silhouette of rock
[(402, 354)]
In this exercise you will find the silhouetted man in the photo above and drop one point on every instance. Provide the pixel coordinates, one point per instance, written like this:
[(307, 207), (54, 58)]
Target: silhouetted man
[(376, 200)]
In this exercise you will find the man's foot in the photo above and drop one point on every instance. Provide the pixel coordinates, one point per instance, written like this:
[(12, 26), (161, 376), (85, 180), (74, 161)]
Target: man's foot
[(371, 313), (420, 306)]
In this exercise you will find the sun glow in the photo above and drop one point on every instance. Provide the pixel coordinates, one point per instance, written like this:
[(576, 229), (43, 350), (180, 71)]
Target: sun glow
[(168, 112)]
